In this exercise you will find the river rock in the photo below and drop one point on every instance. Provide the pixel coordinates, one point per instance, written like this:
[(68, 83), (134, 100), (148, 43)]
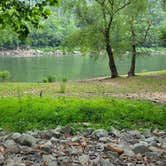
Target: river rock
[(105, 162), (151, 140), (88, 131), (147, 133), (114, 132), (84, 159), (100, 133), (49, 160), (27, 140), (54, 140), (2, 159), (47, 147), (162, 163), (140, 148), (67, 130), (15, 136), (99, 148), (75, 139), (9, 144), (55, 133)]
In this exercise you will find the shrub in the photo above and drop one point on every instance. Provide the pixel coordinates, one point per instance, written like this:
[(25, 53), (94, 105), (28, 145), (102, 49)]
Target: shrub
[(63, 85), (4, 75), (49, 78)]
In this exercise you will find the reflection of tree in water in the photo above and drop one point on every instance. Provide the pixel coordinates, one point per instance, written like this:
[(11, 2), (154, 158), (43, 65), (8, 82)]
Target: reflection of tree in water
[(72, 67)]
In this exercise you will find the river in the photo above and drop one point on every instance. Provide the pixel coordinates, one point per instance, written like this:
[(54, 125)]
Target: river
[(73, 67)]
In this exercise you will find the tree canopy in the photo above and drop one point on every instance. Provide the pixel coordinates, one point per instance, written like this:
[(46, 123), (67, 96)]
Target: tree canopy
[(20, 14)]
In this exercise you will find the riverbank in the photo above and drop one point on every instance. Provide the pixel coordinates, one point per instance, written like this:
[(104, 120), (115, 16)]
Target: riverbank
[(63, 146), (147, 86), (56, 52), (34, 52)]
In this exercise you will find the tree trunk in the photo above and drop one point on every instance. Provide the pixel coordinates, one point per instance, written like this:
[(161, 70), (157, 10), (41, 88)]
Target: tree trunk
[(112, 66), (131, 72)]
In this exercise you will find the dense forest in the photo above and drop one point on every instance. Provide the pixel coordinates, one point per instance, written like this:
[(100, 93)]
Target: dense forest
[(75, 19)]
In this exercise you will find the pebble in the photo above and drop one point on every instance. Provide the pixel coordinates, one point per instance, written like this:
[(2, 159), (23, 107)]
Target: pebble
[(60, 146)]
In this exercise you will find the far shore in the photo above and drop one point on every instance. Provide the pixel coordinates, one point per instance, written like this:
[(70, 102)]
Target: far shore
[(33, 52), (37, 52)]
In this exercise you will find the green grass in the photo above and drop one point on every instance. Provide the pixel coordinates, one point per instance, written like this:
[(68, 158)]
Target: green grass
[(27, 113), (145, 82)]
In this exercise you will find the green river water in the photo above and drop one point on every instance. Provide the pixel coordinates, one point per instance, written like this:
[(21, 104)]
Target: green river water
[(73, 67)]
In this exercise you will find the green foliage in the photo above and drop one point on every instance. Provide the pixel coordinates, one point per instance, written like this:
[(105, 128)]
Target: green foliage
[(27, 113), (20, 14), (4, 75), (52, 32), (162, 33), (63, 85), (49, 78)]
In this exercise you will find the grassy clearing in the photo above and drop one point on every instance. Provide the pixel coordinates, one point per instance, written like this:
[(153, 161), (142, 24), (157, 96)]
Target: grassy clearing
[(143, 83), (26, 113), (88, 101)]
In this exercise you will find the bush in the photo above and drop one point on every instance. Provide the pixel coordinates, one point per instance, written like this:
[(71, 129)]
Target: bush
[(63, 85), (49, 79), (4, 75)]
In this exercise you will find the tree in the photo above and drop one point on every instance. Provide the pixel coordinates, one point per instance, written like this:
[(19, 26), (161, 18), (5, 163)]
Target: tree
[(96, 22), (20, 14), (138, 20), (110, 8)]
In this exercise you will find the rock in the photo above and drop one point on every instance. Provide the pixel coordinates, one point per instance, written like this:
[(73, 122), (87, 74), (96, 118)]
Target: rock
[(45, 134), (140, 148), (151, 140), (153, 155), (26, 139), (2, 150), (75, 139), (54, 140), (15, 136), (114, 132), (162, 163), (74, 151), (95, 161), (135, 134), (2, 159), (159, 133), (9, 144), (114, 149), (84, 160), (163, 143), (100, 133), (67, 131), (131, 164), (49, 160), (88, 131), (55, 133), (47, 147), (19, 164), (147, 133), (104, 139), (99, 147), (105, 162)]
